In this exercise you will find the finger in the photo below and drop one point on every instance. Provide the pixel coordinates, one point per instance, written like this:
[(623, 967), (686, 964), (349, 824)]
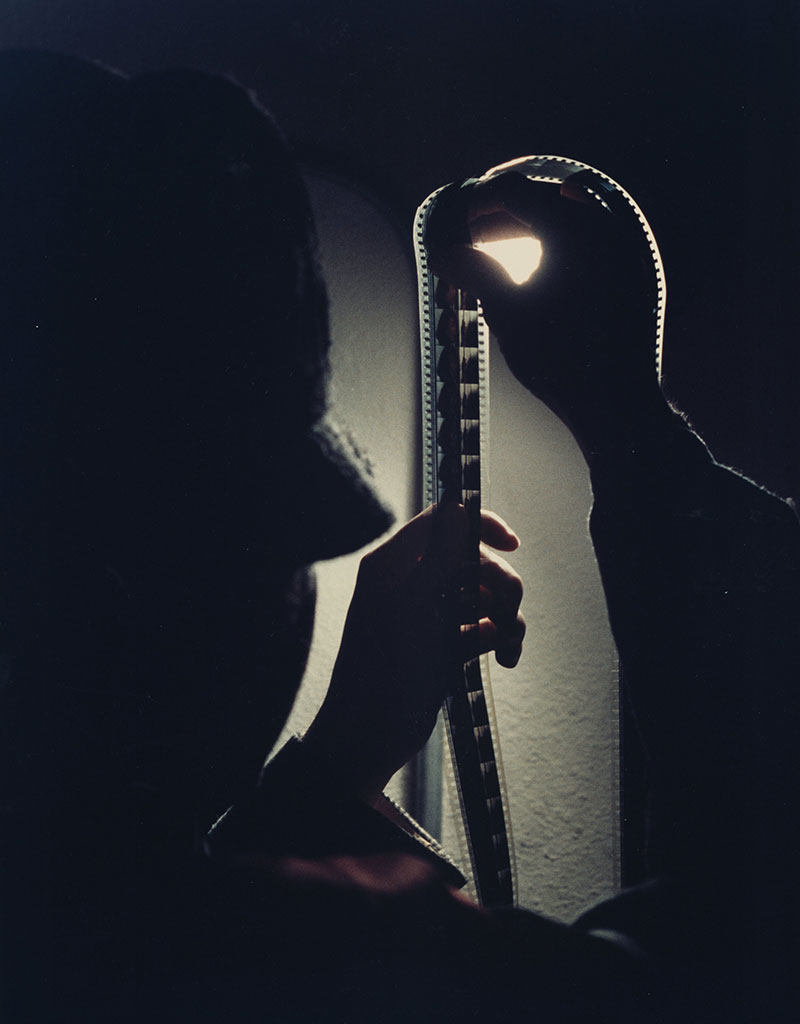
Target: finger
[(411, 540), (497, 533), (438, 537), (531, 205), (485, 636), (508, 643), (470, 270), (437, 542), (542, 207), (502, 611), (501, 589)]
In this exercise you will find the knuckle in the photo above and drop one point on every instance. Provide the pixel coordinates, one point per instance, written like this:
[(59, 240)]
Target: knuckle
[(514, 590)]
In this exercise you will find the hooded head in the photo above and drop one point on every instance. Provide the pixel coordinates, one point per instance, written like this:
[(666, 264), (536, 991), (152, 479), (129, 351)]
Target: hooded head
[(168, 471)]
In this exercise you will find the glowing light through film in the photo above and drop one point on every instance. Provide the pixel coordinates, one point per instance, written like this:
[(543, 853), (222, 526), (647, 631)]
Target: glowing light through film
[(519, 257)]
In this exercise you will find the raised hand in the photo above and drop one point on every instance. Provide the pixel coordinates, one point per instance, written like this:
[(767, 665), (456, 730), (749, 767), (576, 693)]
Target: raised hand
[(389, 679), (580, 333)]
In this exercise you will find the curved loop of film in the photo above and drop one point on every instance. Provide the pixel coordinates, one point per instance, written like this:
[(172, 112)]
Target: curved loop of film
[(600, 186)]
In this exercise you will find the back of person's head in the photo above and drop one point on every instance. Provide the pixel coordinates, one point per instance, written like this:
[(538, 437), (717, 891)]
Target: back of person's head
[(166, 463), (159, 291)]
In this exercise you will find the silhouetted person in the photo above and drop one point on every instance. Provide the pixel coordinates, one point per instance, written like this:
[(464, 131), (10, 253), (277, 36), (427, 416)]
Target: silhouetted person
[(168, 477)]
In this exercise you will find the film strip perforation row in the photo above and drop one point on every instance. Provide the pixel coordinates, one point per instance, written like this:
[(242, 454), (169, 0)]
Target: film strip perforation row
[(457, 344)]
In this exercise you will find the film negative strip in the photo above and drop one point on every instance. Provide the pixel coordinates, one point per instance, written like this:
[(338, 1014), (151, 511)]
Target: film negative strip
[(455, 414), (454, 348)]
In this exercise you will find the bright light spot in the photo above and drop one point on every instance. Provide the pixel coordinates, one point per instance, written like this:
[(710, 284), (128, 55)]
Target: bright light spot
[(519, 257)]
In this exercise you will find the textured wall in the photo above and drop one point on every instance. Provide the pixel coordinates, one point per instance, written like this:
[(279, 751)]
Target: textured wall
[(557, 711), (372, 292)]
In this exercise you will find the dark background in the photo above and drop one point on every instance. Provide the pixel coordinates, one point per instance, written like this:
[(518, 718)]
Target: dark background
[(692, 106)]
